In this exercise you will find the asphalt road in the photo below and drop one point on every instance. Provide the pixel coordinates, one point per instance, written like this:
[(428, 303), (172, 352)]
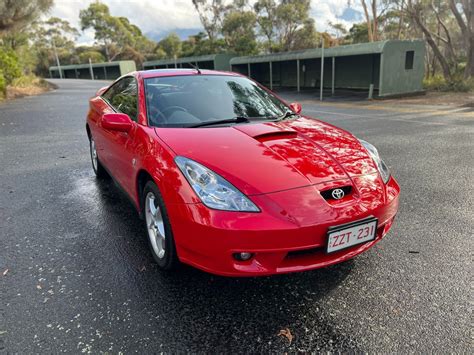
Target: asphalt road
[(76, 274)]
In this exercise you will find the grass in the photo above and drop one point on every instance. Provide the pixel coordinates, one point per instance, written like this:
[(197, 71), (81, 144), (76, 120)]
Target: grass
[(438, 83), (25, 86), (29, 81)]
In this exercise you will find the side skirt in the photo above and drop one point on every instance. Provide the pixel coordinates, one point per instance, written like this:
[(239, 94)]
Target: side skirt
[(123, 191)]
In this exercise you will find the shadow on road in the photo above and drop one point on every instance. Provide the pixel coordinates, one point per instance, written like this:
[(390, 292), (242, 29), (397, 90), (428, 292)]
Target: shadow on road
[(210, 309)]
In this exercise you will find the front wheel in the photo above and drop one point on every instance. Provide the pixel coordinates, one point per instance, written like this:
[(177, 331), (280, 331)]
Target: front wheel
[(96, 165), (160, 236)]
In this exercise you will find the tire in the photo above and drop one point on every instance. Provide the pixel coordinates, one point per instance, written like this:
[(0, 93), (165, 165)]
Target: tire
[(158, 228), (99, 170)]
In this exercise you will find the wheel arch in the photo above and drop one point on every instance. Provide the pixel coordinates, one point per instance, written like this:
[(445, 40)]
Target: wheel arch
[(88, 130), (143, 177)]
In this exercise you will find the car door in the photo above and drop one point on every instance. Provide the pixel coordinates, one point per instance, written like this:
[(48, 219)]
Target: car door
[(119, 145), (98, 107)]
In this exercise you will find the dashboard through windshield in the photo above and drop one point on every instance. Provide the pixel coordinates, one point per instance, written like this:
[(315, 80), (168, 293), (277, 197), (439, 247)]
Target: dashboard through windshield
[(194, 100)]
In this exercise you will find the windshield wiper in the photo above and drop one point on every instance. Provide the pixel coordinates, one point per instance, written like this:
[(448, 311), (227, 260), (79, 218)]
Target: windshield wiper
[(287, 114), (236, 119)]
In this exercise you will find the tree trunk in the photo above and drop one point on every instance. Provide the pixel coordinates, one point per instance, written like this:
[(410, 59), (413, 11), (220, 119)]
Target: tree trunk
[(400, 21), (369, 22), (436, 50), (447, 40), (467, 31), (375, 26), (469, 71), (414, 13)]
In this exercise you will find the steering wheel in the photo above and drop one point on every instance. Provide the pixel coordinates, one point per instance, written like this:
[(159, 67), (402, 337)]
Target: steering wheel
[(156, 115), (176, 108)]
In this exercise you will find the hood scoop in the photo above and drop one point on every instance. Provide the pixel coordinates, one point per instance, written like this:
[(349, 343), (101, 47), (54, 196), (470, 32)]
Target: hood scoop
[(267, 132), (266, 137)]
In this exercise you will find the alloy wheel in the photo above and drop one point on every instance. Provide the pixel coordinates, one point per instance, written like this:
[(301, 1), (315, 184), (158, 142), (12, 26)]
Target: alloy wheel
[(155, 225)]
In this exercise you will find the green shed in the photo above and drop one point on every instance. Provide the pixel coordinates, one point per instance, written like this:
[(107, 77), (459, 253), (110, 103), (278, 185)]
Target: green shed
[(390, 67), (99, 71), (211, 61)]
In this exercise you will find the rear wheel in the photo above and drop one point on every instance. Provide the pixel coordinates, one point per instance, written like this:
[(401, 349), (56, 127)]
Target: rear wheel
[(160, 236), (96, 165)]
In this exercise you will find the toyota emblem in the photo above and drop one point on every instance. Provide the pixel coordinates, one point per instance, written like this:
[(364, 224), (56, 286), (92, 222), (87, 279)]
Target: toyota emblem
[(337, 194)]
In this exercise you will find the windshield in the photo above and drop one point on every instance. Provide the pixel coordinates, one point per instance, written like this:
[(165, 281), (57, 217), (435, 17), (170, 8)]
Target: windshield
[(190, 100)]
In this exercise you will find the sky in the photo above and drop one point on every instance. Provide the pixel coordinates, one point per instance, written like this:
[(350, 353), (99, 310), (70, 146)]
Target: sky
[(157, 18)]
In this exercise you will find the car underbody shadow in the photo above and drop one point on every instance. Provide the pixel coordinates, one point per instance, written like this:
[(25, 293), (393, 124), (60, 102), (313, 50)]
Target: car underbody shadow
[(217, 313)]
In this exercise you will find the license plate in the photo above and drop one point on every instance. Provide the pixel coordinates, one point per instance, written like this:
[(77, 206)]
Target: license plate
[(347, 235)]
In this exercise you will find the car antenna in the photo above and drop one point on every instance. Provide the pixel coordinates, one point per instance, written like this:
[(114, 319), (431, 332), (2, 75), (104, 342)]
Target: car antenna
[(196, 67)]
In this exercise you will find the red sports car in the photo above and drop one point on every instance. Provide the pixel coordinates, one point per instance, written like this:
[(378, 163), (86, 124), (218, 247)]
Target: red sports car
[(234, 181)]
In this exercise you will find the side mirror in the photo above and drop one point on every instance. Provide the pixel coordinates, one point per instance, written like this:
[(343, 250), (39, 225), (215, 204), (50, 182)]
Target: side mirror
[(117, 122), (101, 91), (296, 107)]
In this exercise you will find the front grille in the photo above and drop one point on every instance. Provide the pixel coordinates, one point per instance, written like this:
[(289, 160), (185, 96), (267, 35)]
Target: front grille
[(303, 252), (327, 194)]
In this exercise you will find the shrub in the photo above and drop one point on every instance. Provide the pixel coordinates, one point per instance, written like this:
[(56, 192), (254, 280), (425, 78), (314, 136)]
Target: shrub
[(438, 83), (3, 84), (95, 56), (28, 81), (9, 65)]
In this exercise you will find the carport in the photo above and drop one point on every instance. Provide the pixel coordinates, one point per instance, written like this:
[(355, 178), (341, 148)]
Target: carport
[(212, 61), (99, 71), (383, 69)]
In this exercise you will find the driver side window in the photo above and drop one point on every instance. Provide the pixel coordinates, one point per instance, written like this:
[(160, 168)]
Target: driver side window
[(123, 97)]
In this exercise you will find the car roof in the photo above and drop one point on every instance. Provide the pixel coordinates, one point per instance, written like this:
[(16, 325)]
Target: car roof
[(156, 73)]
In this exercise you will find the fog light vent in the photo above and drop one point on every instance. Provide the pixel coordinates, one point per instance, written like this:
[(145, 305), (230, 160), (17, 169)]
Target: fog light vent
[(243, 256)]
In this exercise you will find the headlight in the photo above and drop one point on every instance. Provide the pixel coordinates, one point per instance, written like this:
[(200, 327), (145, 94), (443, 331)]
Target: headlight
[(382, 167), (213, 190)]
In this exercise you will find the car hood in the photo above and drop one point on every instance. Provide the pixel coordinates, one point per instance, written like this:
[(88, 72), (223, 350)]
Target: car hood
[(261, 158)]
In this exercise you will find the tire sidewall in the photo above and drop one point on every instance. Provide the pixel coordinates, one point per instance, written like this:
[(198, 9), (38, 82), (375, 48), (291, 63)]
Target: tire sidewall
[(170, 259), (92, 159), (99, 171)]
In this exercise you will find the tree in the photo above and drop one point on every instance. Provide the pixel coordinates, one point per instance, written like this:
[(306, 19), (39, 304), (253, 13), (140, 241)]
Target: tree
[(89, 53), (266, 15), (291, 15), (239, 34), (358, 33), (199, 44), (211, 14), (339, 28), (117, 34), (97, 17), (55, 29), (15, 55), (9, 66), (371, 19), (16, 14), (50, 37), (442, 44), (171, 45), (307, 36), (466, 24)]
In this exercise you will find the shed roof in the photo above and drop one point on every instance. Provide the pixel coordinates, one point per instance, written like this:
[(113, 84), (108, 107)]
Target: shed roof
[(340, 51), (94, 65), (200, 58)]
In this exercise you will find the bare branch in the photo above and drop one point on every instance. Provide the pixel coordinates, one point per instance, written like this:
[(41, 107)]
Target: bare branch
[(448, 40)]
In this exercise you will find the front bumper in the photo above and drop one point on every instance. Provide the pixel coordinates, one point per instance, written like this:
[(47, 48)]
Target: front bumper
[(283, 240)]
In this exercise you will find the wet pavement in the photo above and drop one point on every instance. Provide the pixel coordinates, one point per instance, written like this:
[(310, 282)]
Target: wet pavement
[(76, 274)]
